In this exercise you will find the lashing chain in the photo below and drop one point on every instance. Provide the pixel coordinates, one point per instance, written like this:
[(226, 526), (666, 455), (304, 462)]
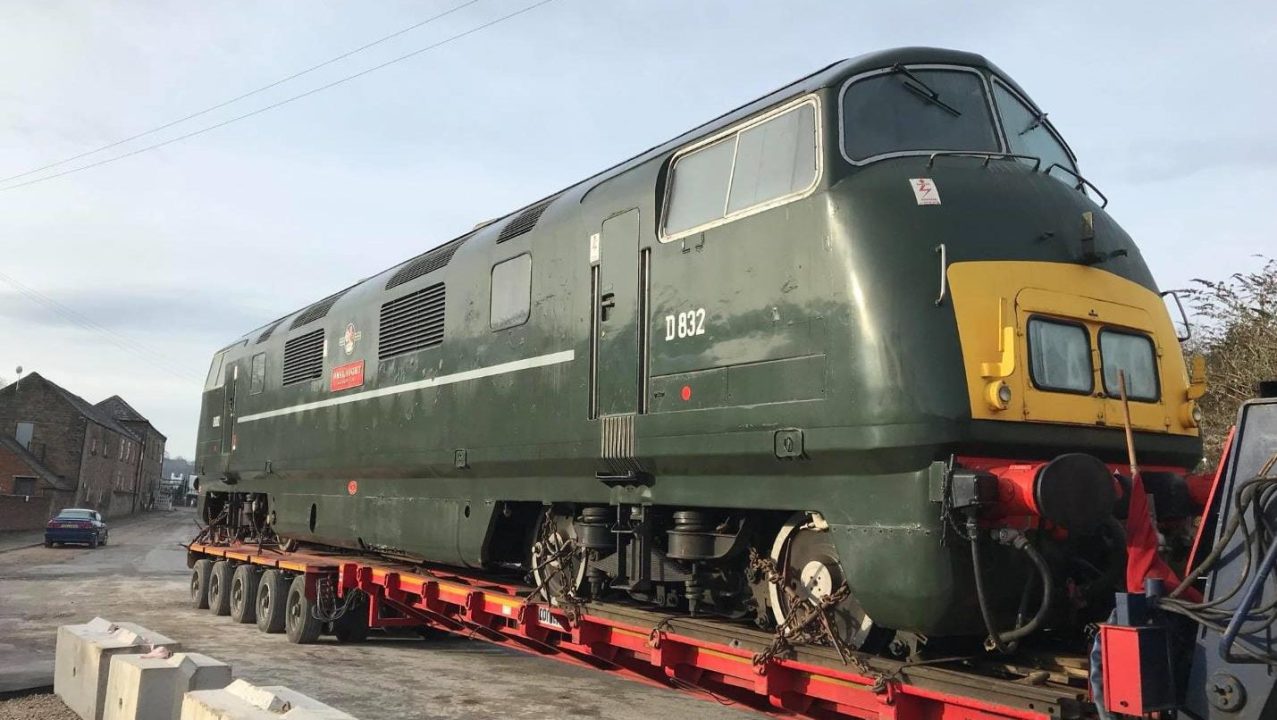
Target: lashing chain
[(552, 566), (807, 623)]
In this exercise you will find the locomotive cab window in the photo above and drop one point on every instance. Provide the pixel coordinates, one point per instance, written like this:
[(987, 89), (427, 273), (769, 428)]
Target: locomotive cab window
[(763, 164), (904, 110), (1060, 356), (1133, 354), (511, 292), (1029, 133), (216, 374)]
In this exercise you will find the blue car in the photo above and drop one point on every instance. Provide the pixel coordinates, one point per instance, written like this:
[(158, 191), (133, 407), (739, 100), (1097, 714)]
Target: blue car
[(76, 525)]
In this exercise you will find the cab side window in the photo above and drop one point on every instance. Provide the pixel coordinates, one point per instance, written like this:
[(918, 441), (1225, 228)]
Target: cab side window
[(760, 165), (511, 301), (257, 378), (216, 373)]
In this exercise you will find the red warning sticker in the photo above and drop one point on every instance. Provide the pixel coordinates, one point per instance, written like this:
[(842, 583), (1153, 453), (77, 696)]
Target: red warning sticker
[(346, 376)]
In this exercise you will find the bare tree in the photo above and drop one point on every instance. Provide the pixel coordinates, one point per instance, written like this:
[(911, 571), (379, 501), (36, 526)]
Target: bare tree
[(1236, 331)]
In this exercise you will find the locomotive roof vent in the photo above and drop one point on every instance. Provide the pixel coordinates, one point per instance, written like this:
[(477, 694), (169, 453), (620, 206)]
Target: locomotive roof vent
[(524, 221), (267, 332), (426, 263), (316, 311)]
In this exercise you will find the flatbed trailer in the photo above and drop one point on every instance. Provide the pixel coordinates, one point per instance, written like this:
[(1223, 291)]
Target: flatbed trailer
[(1160, 655), (713, 659)]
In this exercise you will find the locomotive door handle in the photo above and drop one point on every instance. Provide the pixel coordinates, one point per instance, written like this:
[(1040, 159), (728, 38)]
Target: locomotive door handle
[(606, 302)]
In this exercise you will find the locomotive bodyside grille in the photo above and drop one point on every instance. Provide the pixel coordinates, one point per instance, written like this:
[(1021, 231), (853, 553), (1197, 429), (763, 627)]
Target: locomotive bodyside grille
[(412, 322), (304, 357)]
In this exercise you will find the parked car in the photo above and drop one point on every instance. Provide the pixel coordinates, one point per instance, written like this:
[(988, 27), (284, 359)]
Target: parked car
[(76, 525)]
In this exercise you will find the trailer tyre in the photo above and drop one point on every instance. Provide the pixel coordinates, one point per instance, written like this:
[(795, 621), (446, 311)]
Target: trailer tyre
[(269, 602), (352, 626), (199, 583), (244, 594), (300, 622), (219, 587)]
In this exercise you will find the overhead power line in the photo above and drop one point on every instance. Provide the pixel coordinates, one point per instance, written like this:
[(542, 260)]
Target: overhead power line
[(149, 355), (283, 102), (244, 96)]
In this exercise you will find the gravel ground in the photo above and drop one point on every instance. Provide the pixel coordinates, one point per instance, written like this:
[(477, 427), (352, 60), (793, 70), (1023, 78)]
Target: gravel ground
[(35, 707), (141, 576)]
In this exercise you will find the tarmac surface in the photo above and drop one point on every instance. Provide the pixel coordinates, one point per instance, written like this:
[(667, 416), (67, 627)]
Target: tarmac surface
[(141, 577)]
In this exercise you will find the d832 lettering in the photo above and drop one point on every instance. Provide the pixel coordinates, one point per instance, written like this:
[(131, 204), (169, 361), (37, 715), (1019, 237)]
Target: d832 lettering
[(685, 324)]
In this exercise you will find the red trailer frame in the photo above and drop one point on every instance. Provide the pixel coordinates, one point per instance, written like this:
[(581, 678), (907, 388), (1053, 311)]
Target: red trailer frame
[(712, 659)]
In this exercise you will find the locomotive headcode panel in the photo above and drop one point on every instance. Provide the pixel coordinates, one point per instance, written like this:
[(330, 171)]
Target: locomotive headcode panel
[(844, 352)]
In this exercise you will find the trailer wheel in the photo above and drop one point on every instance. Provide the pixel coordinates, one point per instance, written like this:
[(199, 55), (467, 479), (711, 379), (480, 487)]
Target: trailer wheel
[(352, 627), (244, 594), (199, 583), (219, 586), (269, 605), (300, 622)]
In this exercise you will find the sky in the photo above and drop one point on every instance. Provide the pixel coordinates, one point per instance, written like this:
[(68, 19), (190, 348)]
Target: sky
[(167, 255)]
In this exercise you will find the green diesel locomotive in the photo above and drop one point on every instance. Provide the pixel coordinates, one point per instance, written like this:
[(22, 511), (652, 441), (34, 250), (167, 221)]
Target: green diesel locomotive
[(806, 355)]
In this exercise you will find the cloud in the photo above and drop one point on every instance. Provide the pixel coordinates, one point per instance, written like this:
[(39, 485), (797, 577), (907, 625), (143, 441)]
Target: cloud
[(127, 311)]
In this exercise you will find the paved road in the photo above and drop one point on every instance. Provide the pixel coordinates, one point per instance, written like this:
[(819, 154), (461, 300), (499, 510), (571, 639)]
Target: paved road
[(141, 577)]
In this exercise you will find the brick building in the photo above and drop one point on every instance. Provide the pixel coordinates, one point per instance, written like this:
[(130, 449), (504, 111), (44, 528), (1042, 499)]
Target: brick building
[(29, 492), (151, 458), (107, 455)]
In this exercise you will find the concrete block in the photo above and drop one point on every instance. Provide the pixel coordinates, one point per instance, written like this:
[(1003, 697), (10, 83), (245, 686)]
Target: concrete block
[(141, 687), (83, 660), (244, 701)]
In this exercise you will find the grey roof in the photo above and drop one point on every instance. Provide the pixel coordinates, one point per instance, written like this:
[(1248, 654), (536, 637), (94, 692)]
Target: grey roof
[(50, 477), (84, 407), (115, 407)]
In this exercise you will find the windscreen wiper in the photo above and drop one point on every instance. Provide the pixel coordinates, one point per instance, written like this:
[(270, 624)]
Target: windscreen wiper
[(924, 90), (1038, 120)]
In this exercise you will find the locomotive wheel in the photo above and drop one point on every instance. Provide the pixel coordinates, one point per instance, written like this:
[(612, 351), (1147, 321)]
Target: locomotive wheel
[(219, 587), (244, 594), (300, 622), (557, 564), (199, 583), (271, 590), (808, 562)]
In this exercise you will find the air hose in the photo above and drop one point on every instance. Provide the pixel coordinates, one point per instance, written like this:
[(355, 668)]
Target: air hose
[(1000, 641)]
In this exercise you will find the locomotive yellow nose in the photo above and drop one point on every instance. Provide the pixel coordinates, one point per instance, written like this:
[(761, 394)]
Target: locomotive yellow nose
[(1043, 342)]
